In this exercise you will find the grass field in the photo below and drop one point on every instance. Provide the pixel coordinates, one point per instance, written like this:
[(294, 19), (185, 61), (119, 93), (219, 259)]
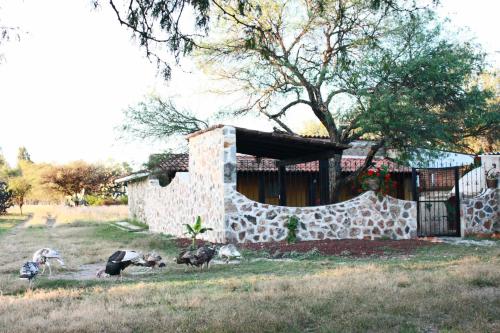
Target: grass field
[(61, 214), (441, 288)]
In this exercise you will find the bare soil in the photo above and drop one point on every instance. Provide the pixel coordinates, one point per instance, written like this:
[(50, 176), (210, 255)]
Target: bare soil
[(345, 247)]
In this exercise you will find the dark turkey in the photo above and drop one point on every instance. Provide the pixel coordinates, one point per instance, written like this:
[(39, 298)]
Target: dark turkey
[(196, 258), (29, 271), (203, 256), (153, 259), (185, 257), (120, 260)]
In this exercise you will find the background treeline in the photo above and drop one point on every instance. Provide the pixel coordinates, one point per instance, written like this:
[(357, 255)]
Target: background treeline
[(75, 183)]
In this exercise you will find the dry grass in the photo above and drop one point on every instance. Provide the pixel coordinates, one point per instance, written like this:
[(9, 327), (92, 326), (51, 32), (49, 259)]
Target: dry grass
[(446, 288), (64, 214)]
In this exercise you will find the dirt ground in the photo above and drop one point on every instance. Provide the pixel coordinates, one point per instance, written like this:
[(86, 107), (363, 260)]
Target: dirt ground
[(345, 247)]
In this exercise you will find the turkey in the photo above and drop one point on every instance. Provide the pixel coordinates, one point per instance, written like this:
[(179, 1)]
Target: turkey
[(185, 257), (29, 271), (228, 252), (43, 256), (121, 260), (153, 259), (196, 258), (203, 256)]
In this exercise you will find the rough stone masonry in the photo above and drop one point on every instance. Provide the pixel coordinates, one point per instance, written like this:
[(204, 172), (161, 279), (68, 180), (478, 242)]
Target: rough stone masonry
[(209, 190)]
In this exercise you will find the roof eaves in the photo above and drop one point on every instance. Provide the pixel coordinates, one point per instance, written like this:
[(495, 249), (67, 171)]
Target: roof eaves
[(133, 177)]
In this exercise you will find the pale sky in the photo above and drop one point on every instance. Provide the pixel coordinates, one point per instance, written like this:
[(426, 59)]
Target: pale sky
[(64, 85)]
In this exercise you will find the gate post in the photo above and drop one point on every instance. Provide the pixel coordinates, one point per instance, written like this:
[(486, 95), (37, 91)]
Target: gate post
[(457, 202), (414, 191), (282, 185)]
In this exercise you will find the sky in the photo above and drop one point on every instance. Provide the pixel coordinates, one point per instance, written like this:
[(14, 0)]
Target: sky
[(65, 84)]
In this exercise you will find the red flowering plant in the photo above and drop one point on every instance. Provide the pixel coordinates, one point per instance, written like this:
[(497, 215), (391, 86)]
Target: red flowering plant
[(377, 180)]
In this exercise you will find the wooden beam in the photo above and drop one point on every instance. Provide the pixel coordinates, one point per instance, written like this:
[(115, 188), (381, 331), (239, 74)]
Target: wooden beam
[(324, 155), (282, 185), (312, 190), (262, 188), (324, 182)]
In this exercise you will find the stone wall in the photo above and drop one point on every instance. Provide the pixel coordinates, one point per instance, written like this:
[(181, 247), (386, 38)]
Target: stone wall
[(480, 214), (199, 192), (364, 217), (209, 190)]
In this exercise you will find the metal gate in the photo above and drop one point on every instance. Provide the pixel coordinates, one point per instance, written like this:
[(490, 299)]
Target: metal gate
[(437, 193)]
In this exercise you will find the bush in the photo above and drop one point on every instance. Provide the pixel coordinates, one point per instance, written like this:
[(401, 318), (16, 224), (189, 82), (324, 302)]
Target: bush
[(94, 200), (292, 225), (5, 198)]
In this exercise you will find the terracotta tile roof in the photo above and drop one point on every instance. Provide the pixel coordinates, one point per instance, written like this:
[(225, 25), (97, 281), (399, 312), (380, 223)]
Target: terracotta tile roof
[(247, 163)]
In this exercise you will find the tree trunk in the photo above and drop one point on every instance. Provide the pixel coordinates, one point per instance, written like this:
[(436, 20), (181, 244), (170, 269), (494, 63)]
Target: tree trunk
[(335, 177)]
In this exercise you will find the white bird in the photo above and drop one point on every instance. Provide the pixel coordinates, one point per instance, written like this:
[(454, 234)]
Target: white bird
[(229, 252), (42, 257), (29, 271)]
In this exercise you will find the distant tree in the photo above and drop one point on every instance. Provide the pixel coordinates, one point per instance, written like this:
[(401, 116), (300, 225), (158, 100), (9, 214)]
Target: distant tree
[(6, 171), (76, 178), (79, 178), (23, 155), (40, 192), (314, 128), (5, 198), (19, 188)]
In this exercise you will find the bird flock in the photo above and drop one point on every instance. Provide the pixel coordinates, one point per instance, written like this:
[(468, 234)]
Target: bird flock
[(122, 259)]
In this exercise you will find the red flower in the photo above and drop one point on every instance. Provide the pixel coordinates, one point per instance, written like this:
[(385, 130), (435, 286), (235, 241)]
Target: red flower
[(387, 177), (370, 172), (394, 184), (378, 174)]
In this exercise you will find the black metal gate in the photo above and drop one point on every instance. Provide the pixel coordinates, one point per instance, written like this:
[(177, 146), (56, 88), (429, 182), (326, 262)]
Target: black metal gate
[(437, 193)]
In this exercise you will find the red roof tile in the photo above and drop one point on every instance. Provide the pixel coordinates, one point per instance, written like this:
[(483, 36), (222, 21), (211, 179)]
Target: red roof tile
[(247, 163)]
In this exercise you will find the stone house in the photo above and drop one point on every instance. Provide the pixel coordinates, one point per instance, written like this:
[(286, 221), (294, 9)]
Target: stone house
[(210, 189), (212, 184)]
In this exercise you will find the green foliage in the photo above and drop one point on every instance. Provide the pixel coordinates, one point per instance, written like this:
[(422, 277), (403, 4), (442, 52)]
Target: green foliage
[(156, 118), (381, 177), (79, 178), (95, 200), (19, 187), (195, 230), (164, 15), (292, 226), (5, 198)]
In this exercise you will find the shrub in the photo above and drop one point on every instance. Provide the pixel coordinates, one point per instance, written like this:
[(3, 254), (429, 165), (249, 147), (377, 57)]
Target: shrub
[(123, 200), (378, 180), (195, 230), (5, 198), (94, 200), (292, 225)]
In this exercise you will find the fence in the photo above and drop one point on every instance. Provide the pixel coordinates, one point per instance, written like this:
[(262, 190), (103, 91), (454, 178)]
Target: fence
[(439, 191)]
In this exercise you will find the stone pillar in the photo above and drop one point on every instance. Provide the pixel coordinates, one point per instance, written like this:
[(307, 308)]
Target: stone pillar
[(212, 169), (491, 162)]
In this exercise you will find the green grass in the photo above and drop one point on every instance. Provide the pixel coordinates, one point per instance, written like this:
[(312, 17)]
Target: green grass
[(9, 221), (442, 287)]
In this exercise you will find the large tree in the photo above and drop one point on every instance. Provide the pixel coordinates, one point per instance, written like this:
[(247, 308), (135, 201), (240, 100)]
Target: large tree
[(382, 70)]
